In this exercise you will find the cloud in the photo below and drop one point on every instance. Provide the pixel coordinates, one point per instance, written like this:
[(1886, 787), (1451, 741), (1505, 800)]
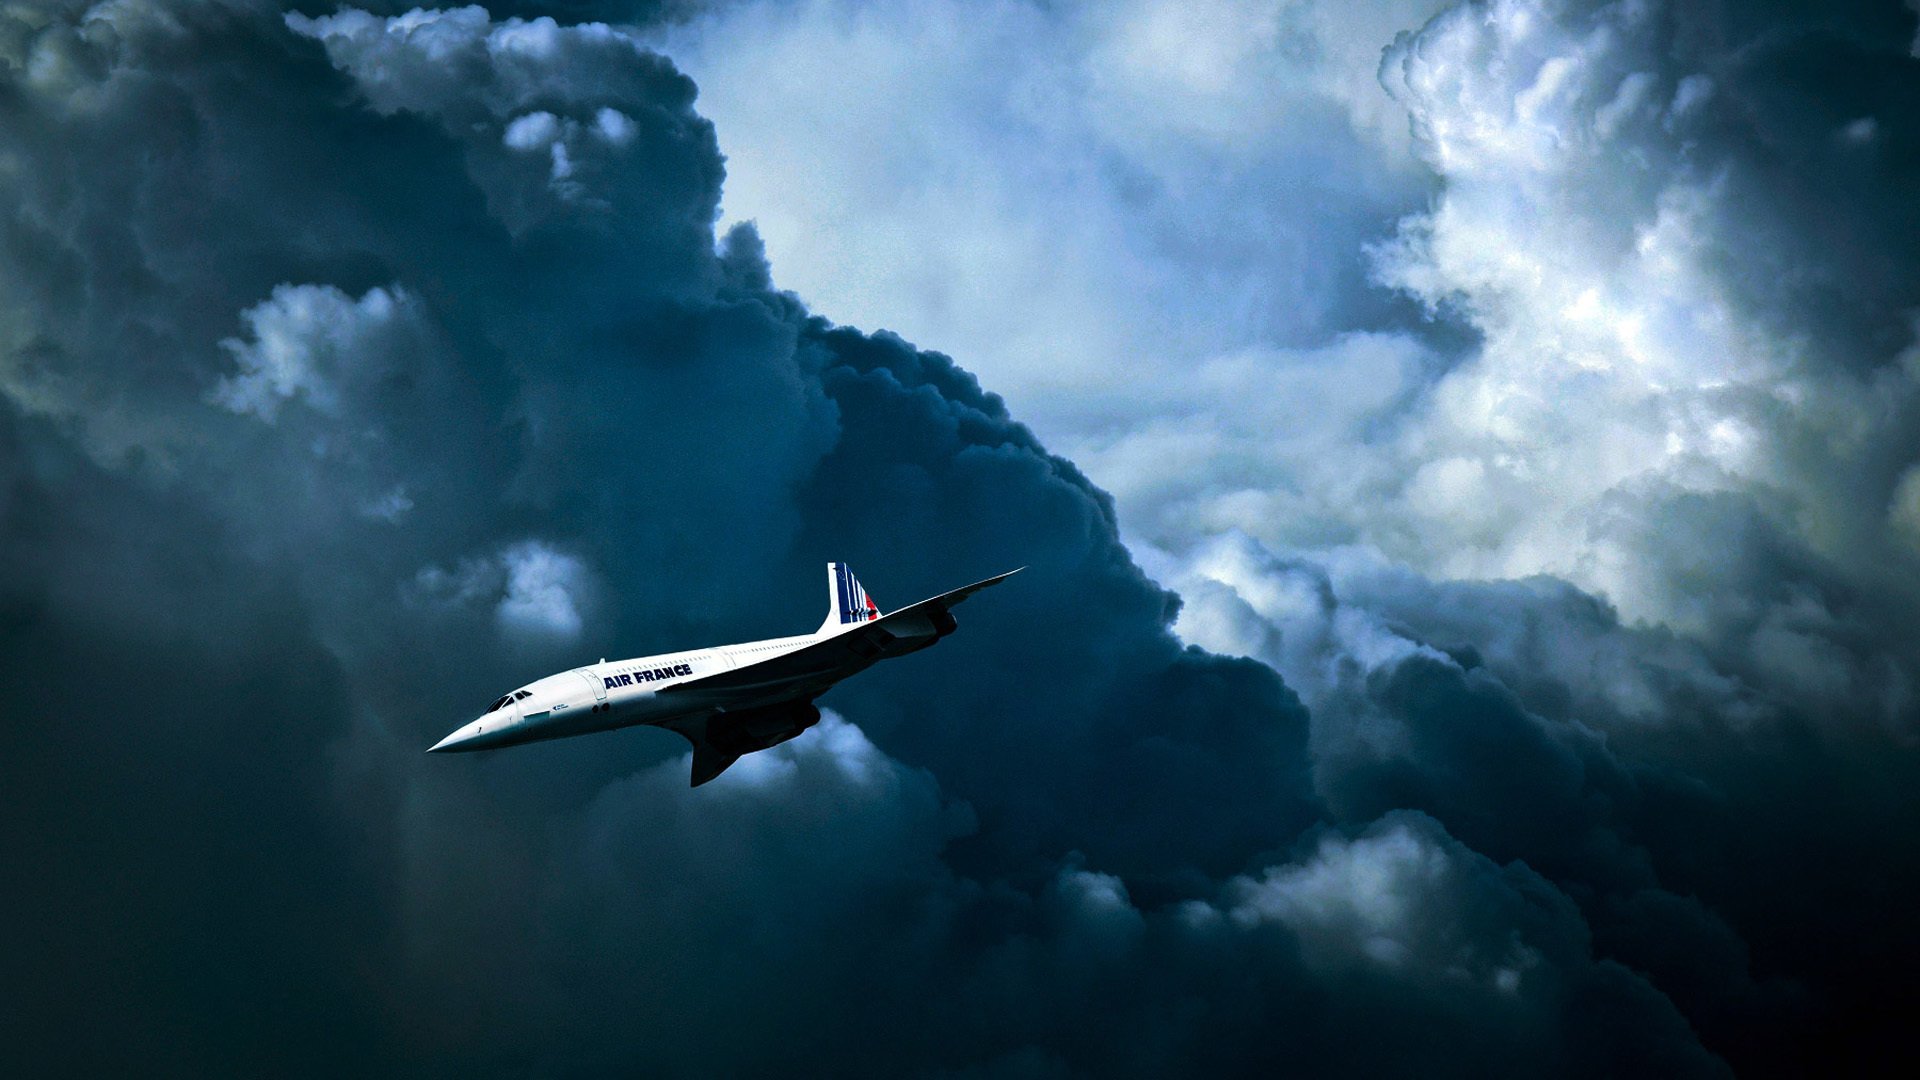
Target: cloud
[(610, 430), (476, 76), (1676, 451), (534, 131), (541, 591), (1535, 724), (1640, 345), (336, 398), (1114, 207), (304, 338), (1374, 902), (175, 836)]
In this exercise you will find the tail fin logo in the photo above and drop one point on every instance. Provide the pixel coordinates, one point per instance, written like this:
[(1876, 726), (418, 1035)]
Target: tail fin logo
[(851, 604)]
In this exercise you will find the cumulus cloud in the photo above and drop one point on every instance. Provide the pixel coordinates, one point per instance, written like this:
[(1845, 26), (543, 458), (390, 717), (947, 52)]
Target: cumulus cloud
[(578, 367), (1112, 207), (1634, 499), (534, 590), (542, 586), (1379, 901), (414, 367), (477, 76), (1644, 350), (303, 340)]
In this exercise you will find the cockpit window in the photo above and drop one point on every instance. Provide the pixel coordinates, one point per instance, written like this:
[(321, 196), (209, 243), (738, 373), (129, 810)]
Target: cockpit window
[(522, 694), (496, 706)]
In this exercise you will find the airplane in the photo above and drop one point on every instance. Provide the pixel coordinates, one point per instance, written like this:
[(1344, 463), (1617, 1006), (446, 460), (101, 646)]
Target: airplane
[(729, 700)]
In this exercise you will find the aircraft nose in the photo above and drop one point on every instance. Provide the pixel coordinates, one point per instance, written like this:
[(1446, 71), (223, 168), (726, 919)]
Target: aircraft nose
[(463, 739)]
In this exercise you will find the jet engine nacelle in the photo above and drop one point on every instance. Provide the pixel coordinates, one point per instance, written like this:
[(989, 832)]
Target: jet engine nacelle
[(758, 729)]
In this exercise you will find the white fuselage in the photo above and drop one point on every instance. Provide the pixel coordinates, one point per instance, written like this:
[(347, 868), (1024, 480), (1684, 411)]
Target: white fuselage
[(623, 693), (726, 701)]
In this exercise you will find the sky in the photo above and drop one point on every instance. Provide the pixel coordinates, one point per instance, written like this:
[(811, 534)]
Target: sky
[(1467, 457)]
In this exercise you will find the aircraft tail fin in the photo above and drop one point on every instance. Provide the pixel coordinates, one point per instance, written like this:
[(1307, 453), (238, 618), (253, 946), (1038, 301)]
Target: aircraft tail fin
[(848, 603)]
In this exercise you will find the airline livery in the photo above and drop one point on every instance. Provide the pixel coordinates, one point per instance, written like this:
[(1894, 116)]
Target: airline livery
[(727, 701)]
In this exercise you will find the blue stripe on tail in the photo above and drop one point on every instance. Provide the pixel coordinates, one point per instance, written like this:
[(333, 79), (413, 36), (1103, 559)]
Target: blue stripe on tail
[(850, 601)]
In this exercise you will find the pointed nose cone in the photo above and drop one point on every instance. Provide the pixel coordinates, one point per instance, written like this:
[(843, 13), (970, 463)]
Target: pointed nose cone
[(459, 740)]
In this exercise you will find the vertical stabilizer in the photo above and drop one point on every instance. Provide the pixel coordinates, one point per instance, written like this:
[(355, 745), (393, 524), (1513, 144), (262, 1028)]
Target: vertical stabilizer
[(847, 602)]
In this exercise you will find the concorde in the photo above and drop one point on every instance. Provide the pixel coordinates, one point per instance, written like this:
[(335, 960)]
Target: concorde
[(729, 700)]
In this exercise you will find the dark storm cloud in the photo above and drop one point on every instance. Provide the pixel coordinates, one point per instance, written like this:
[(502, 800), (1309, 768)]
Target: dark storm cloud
[(356, 368), (562, 415), (179, 873), (1708, 823)]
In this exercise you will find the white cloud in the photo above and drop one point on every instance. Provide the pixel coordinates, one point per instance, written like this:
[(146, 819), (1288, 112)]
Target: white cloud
[(1136, 190), (535, 591), (1131, 232), (1395, 900), (534, 131), (544, 591), (305, 341), (614, 126), (1403, 902), (1580, 234)]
